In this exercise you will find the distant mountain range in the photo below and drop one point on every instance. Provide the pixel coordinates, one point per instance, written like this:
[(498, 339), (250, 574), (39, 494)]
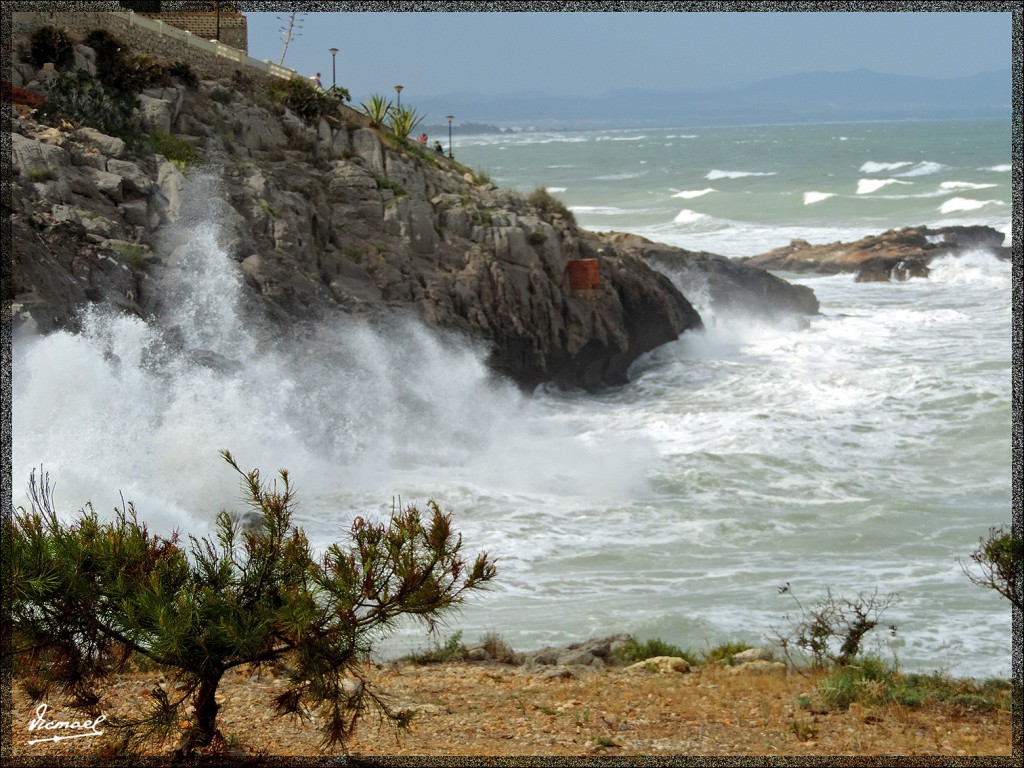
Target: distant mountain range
[(809, 97)]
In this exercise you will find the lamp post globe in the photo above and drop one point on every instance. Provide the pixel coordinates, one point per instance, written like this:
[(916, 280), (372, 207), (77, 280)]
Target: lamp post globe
[(334, 71)]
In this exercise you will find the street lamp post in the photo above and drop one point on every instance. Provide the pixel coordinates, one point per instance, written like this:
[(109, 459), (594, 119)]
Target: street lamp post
[(450, 118), (398, 90), (334, 71)]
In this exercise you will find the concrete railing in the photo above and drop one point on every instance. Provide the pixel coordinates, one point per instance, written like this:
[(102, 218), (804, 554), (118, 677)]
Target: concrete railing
[(211, 46)]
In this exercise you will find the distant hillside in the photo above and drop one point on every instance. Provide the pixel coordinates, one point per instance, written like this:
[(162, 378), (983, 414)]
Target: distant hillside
[(809, 97)]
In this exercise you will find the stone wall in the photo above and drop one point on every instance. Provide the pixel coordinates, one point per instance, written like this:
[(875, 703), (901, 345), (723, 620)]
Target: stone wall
[(206, 64), (233, 29)]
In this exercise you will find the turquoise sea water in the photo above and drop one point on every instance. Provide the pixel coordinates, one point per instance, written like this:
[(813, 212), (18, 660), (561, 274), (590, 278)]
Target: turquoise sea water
[(868, 451)]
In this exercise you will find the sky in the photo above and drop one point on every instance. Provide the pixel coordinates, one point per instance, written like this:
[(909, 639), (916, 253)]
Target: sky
[(590, 54)]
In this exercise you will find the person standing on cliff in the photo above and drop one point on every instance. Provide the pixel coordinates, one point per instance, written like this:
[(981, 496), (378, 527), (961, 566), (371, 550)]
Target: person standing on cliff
[(316, 81)]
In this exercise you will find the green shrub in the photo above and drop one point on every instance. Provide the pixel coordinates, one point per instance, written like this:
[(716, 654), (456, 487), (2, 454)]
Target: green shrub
[(87, 595), (723, 653), (178, 151), (51, 45), (385, 183), (482, 176), (452, 650), (40, 175), (544, 201), (81, 99), (1000, 558), (184, 73), (633, 651), (872, 681), (299, 95), (536, 238)]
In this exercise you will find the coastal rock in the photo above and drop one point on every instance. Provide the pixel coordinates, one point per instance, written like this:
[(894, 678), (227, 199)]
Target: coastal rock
[(378, 231), (892, 255), (721, 284), (662, 665)]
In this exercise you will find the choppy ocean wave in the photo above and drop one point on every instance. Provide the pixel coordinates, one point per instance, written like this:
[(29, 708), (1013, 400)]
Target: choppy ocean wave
[(717, 174)]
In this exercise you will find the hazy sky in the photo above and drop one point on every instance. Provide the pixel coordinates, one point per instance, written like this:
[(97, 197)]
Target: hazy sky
[(593, 53)]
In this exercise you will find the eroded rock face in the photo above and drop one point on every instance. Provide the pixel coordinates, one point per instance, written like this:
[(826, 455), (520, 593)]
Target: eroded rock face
[(892, 255)]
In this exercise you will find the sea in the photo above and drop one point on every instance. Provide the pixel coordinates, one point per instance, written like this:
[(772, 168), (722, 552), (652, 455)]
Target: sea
[(743, 474)]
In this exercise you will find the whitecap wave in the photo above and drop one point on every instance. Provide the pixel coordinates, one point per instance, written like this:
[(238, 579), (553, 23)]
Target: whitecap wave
[(597, 210), (621, 138), (923, 168), (1001, 168), (717, 174), (556, 189), (964, 204), (686, 216), (816, 197), (620, 176), (873, 167), (867, 186), (687, 194), (956, 185)]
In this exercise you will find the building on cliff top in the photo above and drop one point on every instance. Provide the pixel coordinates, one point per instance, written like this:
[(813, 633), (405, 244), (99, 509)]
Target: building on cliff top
[(207, 20)]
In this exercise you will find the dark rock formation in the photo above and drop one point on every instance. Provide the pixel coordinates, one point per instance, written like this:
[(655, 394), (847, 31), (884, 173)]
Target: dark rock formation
[(896, 254), (729, 287)]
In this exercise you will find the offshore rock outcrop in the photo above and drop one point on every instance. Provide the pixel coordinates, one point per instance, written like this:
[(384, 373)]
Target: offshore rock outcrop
[(892, 255), (728, 287)]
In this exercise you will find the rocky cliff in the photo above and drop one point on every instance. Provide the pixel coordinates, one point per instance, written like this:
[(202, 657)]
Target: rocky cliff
[(322, 216)]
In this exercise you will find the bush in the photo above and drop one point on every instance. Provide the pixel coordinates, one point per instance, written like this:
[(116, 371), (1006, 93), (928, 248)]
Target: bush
[(301, 97), (178, 151), (723, 653), (80, 98), (1000, 558), (51, 45), (832, 629), (543, 200), (633, 651), (86, 596), (873, 682), (184, 73), (452, 650)]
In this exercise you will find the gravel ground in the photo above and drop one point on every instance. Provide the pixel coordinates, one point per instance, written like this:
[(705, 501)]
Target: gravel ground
[(498, 709)]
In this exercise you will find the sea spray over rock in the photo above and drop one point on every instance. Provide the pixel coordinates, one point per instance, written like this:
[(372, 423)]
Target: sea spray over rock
[(358, 413)]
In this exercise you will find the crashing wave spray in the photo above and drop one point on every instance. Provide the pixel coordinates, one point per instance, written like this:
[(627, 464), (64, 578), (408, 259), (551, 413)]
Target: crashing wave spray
[(143, 408)]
